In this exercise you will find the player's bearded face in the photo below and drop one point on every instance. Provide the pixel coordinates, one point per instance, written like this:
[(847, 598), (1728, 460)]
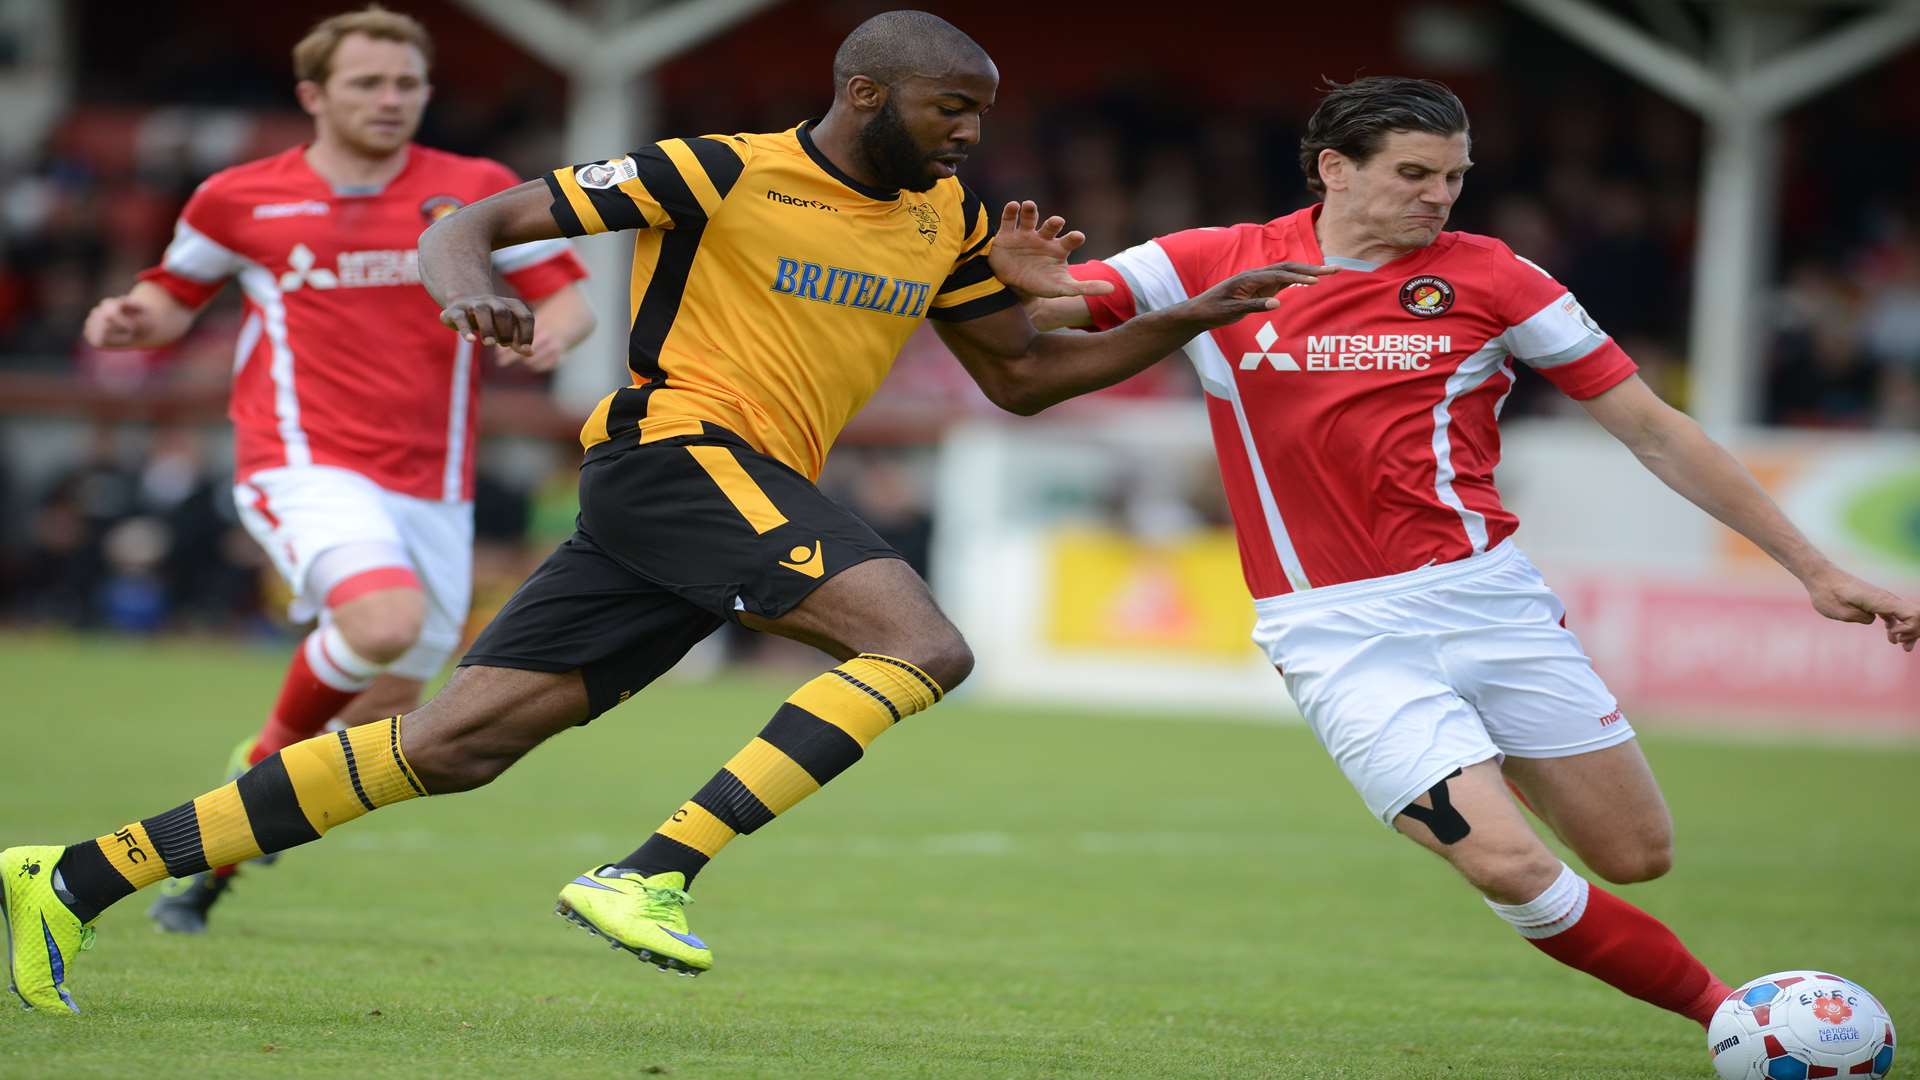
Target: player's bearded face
[(923, 130), (896, 157), (374, 96)]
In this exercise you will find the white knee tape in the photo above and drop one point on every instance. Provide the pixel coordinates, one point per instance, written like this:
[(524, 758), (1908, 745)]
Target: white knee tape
[(335, 663)]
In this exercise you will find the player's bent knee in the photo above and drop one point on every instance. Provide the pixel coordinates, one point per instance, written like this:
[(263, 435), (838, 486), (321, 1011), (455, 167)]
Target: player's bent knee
[(943, 656), (1633, 865), (387, 645), (950, 662), (382, 625)]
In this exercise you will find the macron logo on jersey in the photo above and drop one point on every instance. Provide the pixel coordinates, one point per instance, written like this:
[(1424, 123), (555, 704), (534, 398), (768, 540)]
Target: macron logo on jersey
[(308, 208), (357, 269)]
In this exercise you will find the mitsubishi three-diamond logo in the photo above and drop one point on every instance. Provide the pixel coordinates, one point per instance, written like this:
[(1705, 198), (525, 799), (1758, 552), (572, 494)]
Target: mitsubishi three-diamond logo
[(303, 271), (1265, 337)]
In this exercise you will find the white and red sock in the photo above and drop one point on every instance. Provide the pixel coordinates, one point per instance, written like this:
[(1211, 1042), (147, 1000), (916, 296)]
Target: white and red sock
[(325, 674), (1586, 927)]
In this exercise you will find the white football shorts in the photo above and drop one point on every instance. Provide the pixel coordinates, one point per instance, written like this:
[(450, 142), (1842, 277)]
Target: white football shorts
[(1408, 677), (299, 513)]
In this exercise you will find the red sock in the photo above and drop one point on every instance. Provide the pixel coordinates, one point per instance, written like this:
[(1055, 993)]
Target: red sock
[(325, 674), (1584, 926)]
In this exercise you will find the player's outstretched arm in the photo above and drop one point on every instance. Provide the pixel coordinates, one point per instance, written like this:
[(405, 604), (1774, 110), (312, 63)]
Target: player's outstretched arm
[(456, 267), (1023, 370), (147, 317), (1673, 447)]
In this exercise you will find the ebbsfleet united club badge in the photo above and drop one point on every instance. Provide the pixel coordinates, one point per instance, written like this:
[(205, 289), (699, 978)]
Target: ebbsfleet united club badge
[(438, 207), (1426, 296)]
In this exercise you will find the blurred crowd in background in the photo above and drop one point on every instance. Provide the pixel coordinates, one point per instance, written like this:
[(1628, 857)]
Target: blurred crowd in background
[(1585, 173)]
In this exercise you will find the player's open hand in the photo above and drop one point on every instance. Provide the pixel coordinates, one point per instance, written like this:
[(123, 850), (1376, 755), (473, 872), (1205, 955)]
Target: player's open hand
[(1839, 595), (118, 322), (1030, 255), (1251, 292), (492, 320)]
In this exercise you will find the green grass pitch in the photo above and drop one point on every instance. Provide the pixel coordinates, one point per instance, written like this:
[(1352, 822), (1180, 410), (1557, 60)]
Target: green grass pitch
[(992, 893)]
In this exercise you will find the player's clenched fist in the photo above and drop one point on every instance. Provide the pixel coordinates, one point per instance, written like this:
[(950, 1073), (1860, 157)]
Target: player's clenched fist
[(492, 320), (118, 322), (1252, 291)]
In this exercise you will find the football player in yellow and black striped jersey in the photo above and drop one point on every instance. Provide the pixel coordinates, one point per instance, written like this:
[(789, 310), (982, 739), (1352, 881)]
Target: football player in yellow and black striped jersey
[(771, 289), (775, 277)]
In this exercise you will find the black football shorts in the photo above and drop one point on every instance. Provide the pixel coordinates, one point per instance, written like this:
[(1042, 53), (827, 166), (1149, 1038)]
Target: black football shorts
[(673, 538)]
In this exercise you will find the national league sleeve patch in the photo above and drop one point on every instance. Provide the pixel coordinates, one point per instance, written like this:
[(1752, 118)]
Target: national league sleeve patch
[(602, 175)]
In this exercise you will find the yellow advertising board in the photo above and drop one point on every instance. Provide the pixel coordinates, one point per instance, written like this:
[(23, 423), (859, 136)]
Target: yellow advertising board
[(1110, 592)]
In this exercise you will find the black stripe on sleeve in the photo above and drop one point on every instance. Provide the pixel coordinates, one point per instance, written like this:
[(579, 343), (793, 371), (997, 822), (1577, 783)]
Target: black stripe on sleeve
[(737, 807), (971, 210), (617, 209), (662, 178), (974, 309), (723, 166), (971, 272), (176, 836), (273, 809), (563, 214), (815, 745)]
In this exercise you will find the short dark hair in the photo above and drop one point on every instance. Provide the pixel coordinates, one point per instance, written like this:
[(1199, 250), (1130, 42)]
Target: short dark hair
[(1355, 118), (895, 45)]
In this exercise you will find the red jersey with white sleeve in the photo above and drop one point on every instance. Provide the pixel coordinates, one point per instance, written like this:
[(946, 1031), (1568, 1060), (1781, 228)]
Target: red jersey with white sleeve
[(1357, 424), (342, 359)]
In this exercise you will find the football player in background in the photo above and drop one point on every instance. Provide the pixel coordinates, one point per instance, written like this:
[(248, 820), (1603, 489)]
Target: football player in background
[(353, 411)]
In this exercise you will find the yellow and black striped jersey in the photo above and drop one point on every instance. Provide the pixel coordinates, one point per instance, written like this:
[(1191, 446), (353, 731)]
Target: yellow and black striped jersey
[(771, 291)]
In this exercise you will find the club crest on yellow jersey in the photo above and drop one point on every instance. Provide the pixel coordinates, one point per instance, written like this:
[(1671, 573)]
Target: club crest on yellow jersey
[(927, 219)]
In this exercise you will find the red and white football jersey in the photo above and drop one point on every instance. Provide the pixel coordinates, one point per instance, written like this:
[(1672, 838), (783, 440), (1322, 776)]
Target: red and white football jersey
[(1357, 424), (342, 359)]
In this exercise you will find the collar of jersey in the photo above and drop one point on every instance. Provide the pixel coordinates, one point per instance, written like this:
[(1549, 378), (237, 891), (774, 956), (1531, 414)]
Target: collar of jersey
[(828, 167), (352, 191)]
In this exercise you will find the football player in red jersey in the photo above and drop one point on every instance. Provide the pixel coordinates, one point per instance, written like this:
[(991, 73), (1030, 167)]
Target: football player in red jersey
[(1357, 431), (369, 521)]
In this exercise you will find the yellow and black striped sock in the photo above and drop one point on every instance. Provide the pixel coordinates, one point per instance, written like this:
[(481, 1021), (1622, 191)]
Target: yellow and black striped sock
[(821, 730), (288, 799)]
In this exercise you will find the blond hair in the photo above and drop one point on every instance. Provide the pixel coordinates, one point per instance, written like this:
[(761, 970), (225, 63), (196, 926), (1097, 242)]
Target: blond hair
[(313, 56)]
